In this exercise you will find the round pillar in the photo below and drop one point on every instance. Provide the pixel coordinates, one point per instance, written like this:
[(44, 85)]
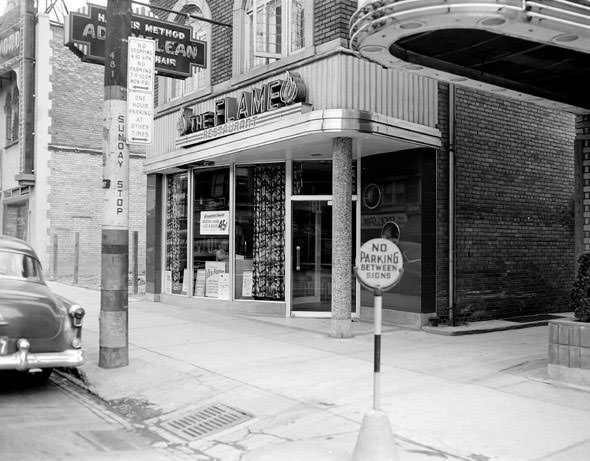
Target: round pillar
[(341, 325)]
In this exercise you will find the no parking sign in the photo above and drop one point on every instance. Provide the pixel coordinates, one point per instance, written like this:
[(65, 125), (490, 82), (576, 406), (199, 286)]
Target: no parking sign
[(379, 265)]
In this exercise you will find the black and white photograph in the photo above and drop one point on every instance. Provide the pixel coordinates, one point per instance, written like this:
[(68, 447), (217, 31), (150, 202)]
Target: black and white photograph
[(295, 230)]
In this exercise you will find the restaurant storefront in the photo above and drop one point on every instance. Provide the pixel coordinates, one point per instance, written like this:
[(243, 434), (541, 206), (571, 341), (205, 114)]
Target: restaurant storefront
[(246, 203)]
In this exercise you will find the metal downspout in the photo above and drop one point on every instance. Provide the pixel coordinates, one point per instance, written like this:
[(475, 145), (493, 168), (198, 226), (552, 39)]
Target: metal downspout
[(451, 204)]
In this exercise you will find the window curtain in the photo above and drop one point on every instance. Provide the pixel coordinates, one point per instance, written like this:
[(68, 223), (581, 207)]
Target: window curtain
[(269, 233), (176, 230)]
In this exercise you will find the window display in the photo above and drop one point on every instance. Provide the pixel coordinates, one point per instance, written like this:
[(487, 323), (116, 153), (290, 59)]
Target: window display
[(260, 232), (211, 229)]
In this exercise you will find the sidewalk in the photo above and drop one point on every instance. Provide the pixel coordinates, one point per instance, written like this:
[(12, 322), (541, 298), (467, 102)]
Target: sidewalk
[(285, 390)]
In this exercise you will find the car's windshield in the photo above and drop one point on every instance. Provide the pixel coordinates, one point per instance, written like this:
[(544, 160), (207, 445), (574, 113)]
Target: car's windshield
[(18, 265)]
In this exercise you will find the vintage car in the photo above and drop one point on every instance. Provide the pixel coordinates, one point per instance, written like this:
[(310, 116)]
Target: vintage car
[(39, 330)]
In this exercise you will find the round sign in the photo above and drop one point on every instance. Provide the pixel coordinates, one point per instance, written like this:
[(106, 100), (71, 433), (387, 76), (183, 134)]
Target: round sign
[(379, 264), (372, 196)]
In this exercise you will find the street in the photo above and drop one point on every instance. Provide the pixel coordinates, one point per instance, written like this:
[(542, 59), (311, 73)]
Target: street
[(57, 420)]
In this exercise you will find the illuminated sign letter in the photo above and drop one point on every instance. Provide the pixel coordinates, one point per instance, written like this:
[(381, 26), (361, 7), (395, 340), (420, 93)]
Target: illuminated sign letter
[(245, 105)]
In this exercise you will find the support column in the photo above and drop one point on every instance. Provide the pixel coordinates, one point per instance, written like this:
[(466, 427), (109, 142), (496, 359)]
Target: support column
[(582, 185), (341, 326)]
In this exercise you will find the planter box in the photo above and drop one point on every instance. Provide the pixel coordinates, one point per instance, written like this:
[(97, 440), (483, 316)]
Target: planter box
[(569, 352)]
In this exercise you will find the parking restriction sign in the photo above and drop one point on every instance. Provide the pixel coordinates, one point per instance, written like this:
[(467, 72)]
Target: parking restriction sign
[(140, 86), (379, 264)]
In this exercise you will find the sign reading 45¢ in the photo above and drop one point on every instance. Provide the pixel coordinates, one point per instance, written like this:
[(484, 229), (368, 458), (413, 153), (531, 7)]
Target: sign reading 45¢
[(379, 265), (214, 223)]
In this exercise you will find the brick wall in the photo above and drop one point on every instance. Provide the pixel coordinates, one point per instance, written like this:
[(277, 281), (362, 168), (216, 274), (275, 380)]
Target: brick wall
[(514, 206), (77, 97), (75, 182), (221, 41), (331, 19), (76, 207)]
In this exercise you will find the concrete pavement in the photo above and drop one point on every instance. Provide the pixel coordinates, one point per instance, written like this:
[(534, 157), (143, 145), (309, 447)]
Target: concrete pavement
[(282, 389)]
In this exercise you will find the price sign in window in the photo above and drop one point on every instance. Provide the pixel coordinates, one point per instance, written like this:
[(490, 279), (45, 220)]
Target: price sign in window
[(214, 223)]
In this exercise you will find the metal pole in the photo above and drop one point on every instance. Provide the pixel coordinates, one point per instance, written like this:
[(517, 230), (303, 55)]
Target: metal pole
[(27, 93), (378, 300), (135, 280), (114, 327), (55, 256), (76, 256), (451, 204)]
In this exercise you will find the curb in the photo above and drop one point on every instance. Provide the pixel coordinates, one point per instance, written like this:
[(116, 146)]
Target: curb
[(475, 330)]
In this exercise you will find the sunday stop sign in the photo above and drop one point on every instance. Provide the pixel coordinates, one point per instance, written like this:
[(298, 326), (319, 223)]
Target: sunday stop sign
[(379, 264)]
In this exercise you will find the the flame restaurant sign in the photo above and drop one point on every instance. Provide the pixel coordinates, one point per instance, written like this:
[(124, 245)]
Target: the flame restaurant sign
[(176, 51), (233, 114)]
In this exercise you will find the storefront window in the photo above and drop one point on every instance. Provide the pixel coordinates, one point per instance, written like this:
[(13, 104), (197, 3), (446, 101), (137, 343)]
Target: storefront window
[(260, 232), (211, 220), (391, 207), (175, 277)]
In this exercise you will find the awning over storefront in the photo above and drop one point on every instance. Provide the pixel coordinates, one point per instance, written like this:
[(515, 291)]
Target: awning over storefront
[(297, 132), (533, 50)]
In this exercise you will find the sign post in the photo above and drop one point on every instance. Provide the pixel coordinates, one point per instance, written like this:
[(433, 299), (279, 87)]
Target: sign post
[(114, 294), (379, 268)]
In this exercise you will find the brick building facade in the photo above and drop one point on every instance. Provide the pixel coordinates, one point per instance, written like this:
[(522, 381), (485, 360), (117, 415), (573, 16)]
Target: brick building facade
[(512, 245), (61, 200), (514, 210)]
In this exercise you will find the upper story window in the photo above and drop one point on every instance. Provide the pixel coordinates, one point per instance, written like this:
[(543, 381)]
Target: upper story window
[(268, 30), (170, 88), (11, 114)]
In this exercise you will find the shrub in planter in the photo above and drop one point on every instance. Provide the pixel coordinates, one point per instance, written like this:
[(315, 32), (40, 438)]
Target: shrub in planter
[(569, 339), (580, 294)]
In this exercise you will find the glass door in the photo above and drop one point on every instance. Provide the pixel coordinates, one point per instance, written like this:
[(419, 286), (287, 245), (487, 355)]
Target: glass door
[(311, 256)]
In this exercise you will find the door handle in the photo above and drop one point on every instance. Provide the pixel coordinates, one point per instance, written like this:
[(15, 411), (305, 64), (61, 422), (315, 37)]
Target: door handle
[(298, 253)]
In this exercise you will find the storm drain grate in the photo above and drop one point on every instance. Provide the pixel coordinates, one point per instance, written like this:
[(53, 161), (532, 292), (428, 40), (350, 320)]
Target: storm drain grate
[(205, 421)]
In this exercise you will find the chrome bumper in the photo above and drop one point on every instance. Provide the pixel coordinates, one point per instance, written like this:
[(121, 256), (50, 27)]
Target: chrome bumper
[(22, 359)]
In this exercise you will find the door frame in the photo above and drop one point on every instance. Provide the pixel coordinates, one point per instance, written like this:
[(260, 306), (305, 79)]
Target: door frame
[(289, 252)]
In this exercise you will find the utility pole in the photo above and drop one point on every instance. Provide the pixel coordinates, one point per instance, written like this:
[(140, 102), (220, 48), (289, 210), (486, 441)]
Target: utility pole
[(114, 294)]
